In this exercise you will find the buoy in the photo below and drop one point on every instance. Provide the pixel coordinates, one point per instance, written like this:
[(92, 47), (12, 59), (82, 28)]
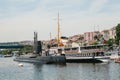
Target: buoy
[(20, 65)]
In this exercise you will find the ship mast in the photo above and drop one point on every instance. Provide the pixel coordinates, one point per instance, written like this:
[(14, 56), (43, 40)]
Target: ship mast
[(58, 31)]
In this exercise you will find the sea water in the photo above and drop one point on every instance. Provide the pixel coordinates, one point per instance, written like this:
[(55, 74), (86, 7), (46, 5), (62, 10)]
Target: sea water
[(10, 70)]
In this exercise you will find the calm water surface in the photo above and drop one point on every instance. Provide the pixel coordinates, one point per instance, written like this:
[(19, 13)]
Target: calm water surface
[(9, 70)]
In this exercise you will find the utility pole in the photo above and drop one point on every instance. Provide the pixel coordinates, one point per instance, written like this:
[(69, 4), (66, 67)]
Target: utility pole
[(50, 36), (50, 39)]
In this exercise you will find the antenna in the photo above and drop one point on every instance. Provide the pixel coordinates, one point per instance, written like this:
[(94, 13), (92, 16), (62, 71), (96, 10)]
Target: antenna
[(50, 36), (98, 27)]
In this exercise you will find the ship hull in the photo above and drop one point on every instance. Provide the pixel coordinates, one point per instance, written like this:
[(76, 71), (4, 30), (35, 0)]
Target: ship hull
[(87, 59), (43, 59)]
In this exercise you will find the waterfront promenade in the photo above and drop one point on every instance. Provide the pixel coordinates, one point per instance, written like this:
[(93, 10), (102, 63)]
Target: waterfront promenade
[(9, 70)]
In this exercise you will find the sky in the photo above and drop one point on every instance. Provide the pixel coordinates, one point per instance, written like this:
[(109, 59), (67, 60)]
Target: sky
[(20, 18)]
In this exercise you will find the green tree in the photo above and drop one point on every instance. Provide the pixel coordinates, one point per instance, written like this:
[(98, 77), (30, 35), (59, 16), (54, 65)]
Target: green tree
[(94, 43), (117, 38), (27, 48), (80, 39), (110, 42), (96, 37), (4, 52)]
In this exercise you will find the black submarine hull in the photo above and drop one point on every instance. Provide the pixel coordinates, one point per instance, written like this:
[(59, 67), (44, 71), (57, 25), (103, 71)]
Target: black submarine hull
[(43, 59)]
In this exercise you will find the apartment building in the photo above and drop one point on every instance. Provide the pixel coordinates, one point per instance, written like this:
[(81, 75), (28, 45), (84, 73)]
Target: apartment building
[(112, 33)]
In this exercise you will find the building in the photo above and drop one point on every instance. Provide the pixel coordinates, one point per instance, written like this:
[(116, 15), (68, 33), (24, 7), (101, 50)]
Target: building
[(88, 37), (106, 34), (112, 33)]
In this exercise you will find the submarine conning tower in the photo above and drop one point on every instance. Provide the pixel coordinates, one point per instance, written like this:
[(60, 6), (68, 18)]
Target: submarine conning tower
[(37, 47)]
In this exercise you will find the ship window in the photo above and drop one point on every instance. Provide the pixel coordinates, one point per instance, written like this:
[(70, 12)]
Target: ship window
[(74, 48)]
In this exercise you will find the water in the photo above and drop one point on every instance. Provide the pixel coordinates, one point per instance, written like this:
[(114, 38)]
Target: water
[(9, 70)]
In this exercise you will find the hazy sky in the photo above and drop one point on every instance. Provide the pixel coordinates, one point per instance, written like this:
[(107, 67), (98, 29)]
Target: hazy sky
[(20, 18)]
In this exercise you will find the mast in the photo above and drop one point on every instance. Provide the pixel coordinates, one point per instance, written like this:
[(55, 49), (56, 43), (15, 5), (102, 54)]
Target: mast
[(58, 31), (50, 38)]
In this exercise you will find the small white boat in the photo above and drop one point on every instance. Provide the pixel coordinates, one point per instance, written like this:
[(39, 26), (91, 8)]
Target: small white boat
[(20, 65)]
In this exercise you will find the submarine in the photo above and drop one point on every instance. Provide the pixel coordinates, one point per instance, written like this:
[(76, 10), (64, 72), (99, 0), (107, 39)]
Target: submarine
[(36, 56)]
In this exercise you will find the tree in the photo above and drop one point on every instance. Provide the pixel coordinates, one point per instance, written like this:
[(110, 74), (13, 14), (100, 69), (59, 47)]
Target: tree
[(117, 37), (96, 37), (80, 39), (94, 43), (110, 42), (27, 48)]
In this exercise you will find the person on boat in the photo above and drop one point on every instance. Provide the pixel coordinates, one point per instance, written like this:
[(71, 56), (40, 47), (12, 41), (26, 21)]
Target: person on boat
[(94, 55), (55, 52), (47, 52)]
